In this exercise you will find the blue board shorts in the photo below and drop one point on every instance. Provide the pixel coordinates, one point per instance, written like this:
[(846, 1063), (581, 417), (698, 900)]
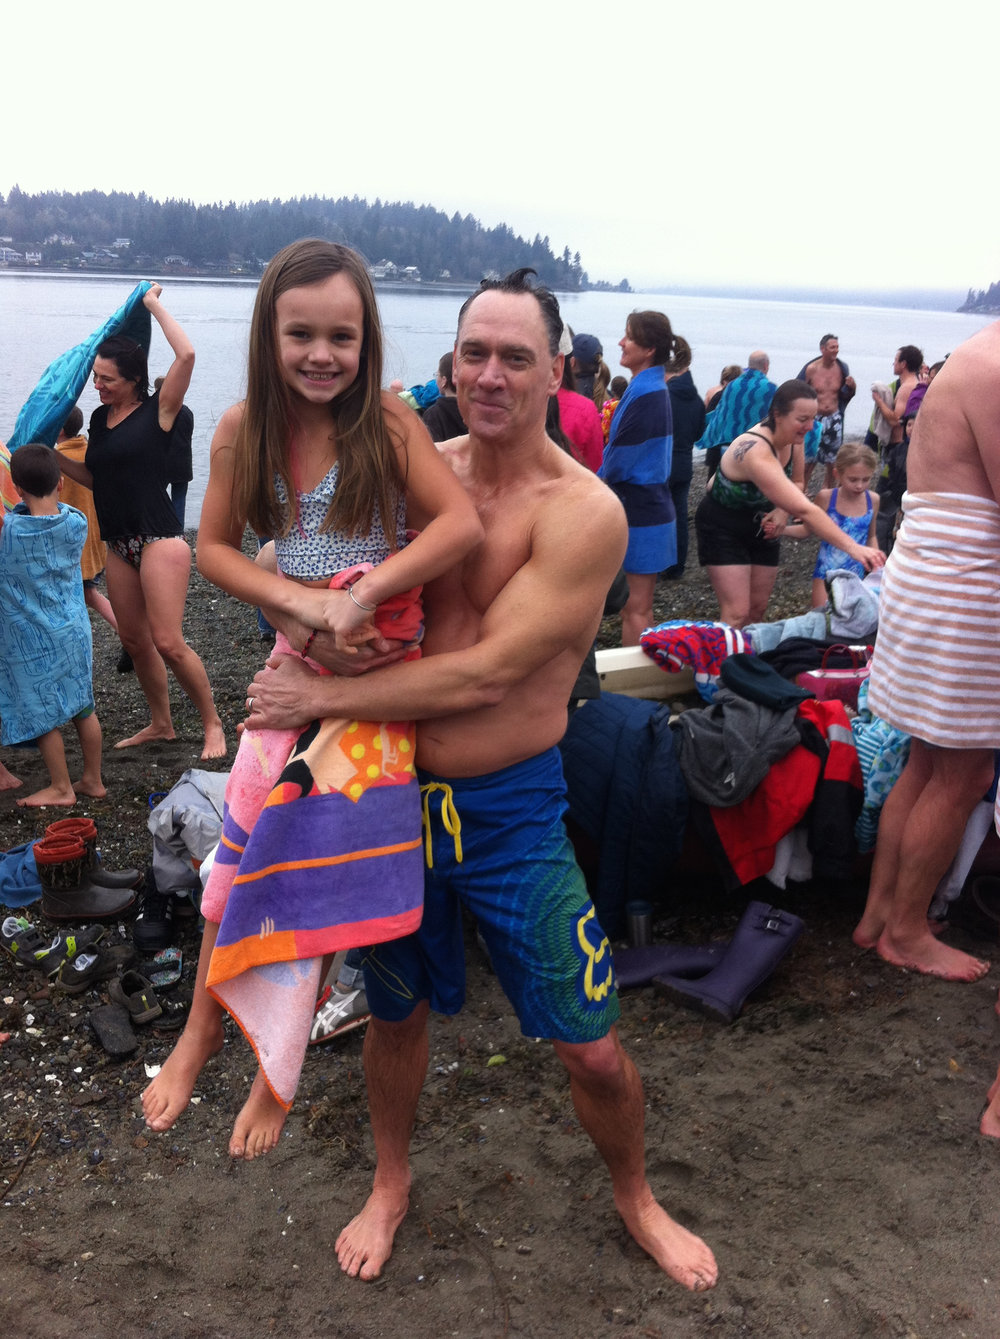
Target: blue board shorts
[(496, 844)]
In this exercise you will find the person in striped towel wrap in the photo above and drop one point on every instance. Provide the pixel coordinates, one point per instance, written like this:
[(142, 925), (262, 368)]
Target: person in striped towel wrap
[(934, 673)]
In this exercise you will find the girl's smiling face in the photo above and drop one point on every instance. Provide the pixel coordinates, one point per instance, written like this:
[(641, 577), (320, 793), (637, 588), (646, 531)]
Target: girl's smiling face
[(320, 334)]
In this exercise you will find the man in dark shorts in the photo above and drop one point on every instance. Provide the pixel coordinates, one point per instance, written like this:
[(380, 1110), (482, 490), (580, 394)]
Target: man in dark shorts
[(507, 632)]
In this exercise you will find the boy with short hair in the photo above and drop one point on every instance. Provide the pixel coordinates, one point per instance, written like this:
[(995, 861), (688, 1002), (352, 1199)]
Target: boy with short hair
[(45, 639)]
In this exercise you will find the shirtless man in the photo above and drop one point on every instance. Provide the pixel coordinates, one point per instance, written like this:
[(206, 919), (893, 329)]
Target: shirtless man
[(830, 378), (507, 632), (934, 672), (906, 367)]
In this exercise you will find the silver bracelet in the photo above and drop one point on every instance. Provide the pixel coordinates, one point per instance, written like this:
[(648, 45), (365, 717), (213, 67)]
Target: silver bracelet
[(368, 608)]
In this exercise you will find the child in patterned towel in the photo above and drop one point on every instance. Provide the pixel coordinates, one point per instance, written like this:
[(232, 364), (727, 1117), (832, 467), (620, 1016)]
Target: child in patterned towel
[(852, 507), (321, 841), (45, 640)]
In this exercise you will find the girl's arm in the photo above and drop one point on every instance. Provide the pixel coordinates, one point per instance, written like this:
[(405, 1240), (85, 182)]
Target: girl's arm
[(770, 478), (220, 536), (873, 498), (178, 378), (436, 504)]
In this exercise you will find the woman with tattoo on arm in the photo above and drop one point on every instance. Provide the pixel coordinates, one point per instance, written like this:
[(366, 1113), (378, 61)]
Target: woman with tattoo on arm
[(749, 500)]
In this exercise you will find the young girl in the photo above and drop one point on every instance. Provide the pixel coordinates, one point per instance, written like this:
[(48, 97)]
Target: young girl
[(321, 840), (852, 507)]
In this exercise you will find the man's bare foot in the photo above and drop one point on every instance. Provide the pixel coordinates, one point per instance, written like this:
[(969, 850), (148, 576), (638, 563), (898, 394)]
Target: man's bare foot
[(869, 930), (147, 736), (677, 1251), (8, 781), (215, 741), (994, 1088), (366, 1242), (927, 954), (170, 1092), (259, 1123), (95, 790), (64, 798)]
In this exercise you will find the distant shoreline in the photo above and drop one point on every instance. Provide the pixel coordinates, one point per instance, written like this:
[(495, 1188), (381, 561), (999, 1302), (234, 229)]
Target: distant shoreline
[(909, 300)]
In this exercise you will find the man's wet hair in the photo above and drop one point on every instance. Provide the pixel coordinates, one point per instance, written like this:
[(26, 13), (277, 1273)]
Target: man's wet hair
[(34, 469), (517, 282), (913, 358)]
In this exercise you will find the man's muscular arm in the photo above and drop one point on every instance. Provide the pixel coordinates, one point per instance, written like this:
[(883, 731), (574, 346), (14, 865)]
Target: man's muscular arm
[(550, 604)]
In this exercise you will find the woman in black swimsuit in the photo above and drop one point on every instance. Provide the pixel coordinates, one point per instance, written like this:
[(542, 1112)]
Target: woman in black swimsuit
[(749, 500), (149, 561)]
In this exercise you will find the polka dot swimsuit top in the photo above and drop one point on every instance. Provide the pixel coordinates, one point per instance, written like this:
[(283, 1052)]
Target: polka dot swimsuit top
[(309, 554)]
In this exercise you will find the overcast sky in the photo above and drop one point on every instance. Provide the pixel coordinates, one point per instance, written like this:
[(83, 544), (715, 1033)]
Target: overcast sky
[(849, 144)]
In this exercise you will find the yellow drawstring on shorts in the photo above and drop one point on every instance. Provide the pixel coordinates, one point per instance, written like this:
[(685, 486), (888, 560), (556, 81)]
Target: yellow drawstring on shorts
[(449, 817)]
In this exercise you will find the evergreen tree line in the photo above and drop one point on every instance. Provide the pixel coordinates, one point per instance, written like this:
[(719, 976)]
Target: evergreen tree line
[(984, 300), (243, 237)]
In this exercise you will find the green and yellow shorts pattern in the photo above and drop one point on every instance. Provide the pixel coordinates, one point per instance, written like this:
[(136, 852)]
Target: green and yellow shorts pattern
[(497, 845)]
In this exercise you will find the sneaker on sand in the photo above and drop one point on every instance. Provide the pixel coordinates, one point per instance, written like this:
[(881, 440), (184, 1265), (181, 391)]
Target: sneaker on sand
[(22, 941), (153, 928), (337, 1014)]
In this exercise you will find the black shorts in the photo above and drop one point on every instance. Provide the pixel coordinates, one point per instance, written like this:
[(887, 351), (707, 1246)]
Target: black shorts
[(731, 537)]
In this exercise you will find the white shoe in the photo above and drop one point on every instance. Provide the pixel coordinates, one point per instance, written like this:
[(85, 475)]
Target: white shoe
[(337, 1014)]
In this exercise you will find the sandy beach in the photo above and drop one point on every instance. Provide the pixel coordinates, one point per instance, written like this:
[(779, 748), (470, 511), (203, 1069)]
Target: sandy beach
[(825, 1145)]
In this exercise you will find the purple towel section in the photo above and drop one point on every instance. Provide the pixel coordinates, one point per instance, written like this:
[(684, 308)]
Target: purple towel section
[(325, 894)]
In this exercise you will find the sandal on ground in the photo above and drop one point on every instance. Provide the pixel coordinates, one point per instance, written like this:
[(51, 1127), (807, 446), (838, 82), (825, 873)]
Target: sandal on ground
[(173, 1015), (114, 1029), (165, 968), (135, 994)]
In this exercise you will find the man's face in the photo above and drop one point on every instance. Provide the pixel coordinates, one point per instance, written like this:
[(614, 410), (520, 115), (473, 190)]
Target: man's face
[(831, 349), (898, 366), (504, 372)]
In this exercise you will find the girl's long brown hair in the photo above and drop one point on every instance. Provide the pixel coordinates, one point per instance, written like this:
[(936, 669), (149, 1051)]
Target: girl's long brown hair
[(369, 470)]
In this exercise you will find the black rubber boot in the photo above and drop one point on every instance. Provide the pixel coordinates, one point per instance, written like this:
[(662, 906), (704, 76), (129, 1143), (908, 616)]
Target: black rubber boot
[(638, 966), (86, 902), (67, 893), (763, 937)]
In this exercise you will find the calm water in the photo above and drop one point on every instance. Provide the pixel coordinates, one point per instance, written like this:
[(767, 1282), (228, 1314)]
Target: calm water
[(41, 316)]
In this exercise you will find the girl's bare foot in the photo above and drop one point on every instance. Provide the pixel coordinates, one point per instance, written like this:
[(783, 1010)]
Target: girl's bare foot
[(366, 1242), (215, 741), (94, 790), (170, 1092), (8, 781), (259, 1123), (63, 797), (147, 736)]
